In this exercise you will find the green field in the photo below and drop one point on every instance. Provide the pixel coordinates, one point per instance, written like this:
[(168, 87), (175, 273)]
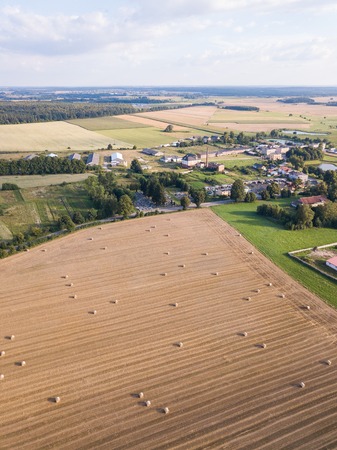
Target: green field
[(146, 136), (275, 242), (106, 123), (29, 181)]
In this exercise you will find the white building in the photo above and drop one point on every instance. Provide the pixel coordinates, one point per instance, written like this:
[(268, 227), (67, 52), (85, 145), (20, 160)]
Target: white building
[(332, 263), (117, 159)]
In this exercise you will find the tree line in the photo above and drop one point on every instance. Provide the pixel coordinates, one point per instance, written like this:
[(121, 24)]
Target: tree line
[(41, 165), (29, 112)]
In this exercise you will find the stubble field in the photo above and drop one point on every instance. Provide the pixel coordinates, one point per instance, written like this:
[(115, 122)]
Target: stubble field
[(223, 390)]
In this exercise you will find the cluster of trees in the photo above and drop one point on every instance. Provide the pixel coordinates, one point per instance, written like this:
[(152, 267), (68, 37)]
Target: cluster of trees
[(297, 156), (238, 193), (10, 187), (297, 100), (41, 165), (242, 108), (328, 185), (31, 111), (109, 198), (301, 218)]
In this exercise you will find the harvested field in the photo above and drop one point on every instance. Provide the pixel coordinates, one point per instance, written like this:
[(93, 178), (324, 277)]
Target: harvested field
[(194, 115), (106, 123), (149, 122), (100, 344), (51, 136)]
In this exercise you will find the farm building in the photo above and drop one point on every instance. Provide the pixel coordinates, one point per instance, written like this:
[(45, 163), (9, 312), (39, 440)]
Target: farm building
[(170, 158), (295, 175), (152, 152), (93, 159), (52, 155), (117, 159), (313, 201), (332, 263), (74, 156)]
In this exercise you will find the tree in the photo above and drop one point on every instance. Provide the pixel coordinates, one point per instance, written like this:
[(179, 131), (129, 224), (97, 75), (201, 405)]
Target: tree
[(65, 223), (158, 194), (265, 195), (238, 191), (109, 147), (125, 206), (273, 189), (91, 214), (250, 197), (185, 202), (304, 216), (198, 196), (135, 166), (78, 218), (169, 129)]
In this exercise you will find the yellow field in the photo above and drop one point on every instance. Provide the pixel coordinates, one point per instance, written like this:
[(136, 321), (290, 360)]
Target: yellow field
[(223, 390), (51, 136)]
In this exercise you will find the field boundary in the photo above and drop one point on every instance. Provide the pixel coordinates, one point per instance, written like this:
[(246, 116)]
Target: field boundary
[(293, 255)]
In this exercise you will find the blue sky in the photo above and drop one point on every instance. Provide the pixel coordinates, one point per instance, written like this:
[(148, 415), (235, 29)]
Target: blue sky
[(178, 42)]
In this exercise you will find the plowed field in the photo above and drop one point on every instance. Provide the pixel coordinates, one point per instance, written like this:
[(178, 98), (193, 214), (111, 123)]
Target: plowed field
[(223, 390)]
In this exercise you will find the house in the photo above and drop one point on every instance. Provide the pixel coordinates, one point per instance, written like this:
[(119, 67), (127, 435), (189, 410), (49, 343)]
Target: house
[(206, 139), (332, 263), (93, 159), (152, 152), (116, 159), (52, 155), (215, 138), (189, 160), (74, 156), (257, 166), (313, 201)]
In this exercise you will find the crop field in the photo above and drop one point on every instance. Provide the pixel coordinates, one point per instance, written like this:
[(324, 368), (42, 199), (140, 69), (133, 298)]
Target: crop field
[(193, 116), (51, 136), (94, 341), (275, 242), (40, 205)]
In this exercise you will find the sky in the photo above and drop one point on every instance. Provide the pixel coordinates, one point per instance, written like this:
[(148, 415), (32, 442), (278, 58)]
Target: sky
[(174, 42)]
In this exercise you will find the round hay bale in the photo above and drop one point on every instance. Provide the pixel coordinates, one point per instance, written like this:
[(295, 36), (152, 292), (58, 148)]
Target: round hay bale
[(244, 333), (215, 274), (166, 235), (57, 399), (70, 284), (328, 362), (248, 299), (99, 228), (270, 284), (114, 302), (301, 384), (239, 235), (179, 344), (166, 410), (104, 248), (251, 253), (166, 253), (65, 276), (175, 305), (257, 291), (93, 312), (153, 226), (12, 337), (44, 250), (140, 395), (2, 353), (164, 274), (2, 376), (26, 250), (22, 363), (74, 296), (283, 296), (307, 307), (205, 254), (182, 265), (147, 403), (263, 345)]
